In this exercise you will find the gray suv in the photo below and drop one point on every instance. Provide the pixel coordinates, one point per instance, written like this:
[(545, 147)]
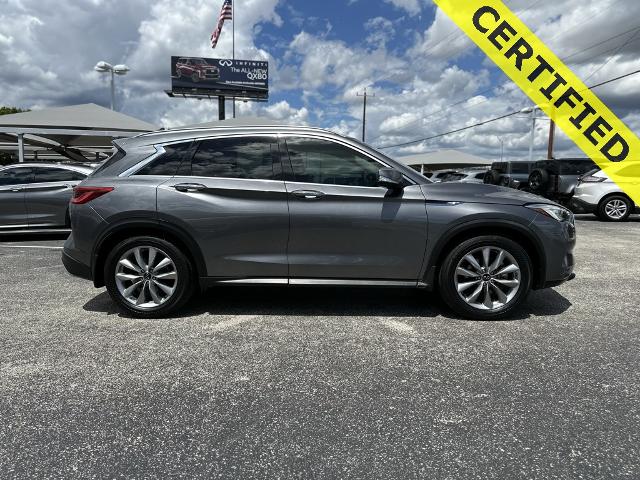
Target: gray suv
[(177, 211)]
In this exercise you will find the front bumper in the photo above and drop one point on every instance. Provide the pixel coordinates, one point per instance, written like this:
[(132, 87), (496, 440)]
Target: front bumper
[(580, 206)]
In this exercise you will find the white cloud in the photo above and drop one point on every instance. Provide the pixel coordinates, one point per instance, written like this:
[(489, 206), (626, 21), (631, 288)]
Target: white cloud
[(430, 86)]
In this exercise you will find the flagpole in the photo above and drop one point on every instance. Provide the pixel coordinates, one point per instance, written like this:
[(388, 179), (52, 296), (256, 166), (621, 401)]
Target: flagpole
[(233, 43)]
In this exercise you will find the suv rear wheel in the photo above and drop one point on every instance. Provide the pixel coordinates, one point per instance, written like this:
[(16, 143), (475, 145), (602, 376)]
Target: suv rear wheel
[(148, 277), (615, 208), (485, 277)]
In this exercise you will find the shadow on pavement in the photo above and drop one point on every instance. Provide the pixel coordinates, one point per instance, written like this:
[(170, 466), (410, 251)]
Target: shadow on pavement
[(327, 301)]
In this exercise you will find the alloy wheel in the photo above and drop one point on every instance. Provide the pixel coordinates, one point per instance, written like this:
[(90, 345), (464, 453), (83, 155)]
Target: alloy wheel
[(487, 278), (146, 277), (615, 209)]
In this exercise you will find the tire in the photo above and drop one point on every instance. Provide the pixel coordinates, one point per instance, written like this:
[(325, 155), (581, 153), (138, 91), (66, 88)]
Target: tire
[(538, 180), (615, 208), (491, 177), (179, 73), (151, 297), (451, 280), (195, 78), (504, 182)]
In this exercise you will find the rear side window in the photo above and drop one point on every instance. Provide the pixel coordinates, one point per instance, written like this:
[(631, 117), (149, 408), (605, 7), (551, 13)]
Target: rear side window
[(116, 157), (52, 174), (242, 157), (168, 163), (16, 176), (520, 167)]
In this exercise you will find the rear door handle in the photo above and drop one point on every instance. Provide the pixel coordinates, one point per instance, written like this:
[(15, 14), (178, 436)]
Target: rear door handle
[(189, 187), (308, 194)]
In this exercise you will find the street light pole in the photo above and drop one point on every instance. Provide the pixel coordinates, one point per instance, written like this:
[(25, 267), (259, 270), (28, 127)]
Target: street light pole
[(113, 89), (104, 67)]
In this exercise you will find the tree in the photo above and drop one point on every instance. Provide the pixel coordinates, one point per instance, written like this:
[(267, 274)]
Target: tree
[(6, 157)]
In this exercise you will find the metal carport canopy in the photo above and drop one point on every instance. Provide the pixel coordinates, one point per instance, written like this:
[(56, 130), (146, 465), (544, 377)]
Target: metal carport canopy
[(64, 128)]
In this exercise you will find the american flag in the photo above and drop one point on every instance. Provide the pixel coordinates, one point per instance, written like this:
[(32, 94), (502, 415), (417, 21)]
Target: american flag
[(225, 14)]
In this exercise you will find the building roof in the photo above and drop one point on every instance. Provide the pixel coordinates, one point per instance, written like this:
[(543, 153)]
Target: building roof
[(88, 116), (444, 159)]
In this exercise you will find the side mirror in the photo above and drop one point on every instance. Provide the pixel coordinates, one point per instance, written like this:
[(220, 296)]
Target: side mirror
[(390, 178)]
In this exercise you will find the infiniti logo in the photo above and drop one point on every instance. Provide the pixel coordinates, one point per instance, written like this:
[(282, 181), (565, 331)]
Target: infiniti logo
[(225, 63)]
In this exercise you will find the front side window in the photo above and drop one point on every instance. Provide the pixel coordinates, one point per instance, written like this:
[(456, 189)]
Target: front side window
[(167, 163), (321, 161), (241, 157), (16, 176), (43, 175)]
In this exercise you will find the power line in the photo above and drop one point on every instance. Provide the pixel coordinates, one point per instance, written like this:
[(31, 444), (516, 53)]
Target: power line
[(468, 127), (578, 52)]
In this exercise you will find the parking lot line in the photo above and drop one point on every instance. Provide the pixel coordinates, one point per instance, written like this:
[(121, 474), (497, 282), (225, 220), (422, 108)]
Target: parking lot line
[(398, 327), (31, 246)]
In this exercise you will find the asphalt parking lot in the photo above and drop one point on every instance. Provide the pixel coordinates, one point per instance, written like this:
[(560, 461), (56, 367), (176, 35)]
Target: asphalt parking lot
[(321, 383)]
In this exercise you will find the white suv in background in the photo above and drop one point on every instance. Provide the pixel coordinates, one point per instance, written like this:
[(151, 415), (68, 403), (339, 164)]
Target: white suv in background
[(596, 193)]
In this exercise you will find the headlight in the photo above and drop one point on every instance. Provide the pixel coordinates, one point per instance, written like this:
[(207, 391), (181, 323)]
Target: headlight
[(592, 179), (560, 214)]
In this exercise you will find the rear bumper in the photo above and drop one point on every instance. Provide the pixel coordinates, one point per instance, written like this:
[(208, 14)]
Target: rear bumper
[(75, 267)]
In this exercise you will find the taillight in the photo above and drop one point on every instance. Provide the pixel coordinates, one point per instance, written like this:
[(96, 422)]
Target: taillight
[(86, 194)]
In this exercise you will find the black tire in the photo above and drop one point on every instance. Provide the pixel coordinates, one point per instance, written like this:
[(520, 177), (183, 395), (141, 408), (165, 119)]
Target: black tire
[(606, 208), (504, 181), (179, 73), (183, 284), (491, 177), (446, 279), (195, 78), (538, 180)]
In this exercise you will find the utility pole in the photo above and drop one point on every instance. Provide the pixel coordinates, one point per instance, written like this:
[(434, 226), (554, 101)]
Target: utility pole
[(364, 113), (552, 135)]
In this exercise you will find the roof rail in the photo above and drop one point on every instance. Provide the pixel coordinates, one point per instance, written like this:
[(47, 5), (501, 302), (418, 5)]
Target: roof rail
[(232, 127)]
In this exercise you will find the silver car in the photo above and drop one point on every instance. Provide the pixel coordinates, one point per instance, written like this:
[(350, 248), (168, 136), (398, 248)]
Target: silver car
[(596, 193), (35, 196)]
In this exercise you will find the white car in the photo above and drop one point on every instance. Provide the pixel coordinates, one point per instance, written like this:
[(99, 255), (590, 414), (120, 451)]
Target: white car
[(596, 193), (468, 175)]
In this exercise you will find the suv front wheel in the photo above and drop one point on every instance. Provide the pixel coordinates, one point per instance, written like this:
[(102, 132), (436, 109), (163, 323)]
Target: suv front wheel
[(485, 277), (148, 277), (616, 208)]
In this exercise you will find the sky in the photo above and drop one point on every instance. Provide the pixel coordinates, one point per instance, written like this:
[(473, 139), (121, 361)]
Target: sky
[(424, 75)]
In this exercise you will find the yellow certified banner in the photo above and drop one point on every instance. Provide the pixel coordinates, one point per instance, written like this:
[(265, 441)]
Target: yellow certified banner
[(552, 86)]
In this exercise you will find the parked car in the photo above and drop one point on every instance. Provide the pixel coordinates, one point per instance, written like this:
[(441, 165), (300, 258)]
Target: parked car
[(468, 175), (438, 176), (197, 69), (35, 196), (514, 174), (179, 210), (596, 193), (557, 179)]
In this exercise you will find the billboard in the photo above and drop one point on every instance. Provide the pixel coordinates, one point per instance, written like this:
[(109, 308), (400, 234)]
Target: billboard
[(207, 77)]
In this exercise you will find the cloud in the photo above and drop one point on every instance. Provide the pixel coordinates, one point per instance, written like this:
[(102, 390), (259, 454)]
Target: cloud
[(426, 80)]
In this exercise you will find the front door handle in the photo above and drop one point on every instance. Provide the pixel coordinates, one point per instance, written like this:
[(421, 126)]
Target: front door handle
[(189, 187), (17, 189), (308, 194)]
